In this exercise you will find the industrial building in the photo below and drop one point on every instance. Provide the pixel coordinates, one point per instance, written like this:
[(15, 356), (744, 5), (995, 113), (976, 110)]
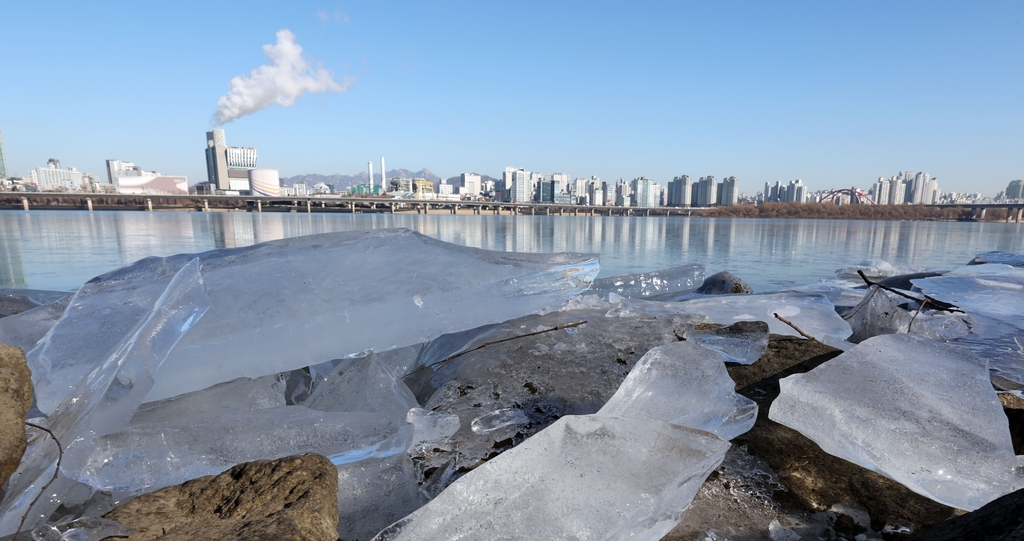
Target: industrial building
[(126, 177), (233, 169)]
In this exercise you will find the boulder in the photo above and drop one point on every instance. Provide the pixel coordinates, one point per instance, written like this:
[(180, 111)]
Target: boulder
[(15, 400), (291, 498), (723, 283), (1002, 518)]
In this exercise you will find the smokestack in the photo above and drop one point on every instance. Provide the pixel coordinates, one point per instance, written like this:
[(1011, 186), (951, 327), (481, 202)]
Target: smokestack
[(383, 176), (369, 168)]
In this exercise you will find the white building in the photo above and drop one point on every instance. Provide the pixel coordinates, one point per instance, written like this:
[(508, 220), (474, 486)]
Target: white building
[(53, 178), (471, 185), (128, 178)]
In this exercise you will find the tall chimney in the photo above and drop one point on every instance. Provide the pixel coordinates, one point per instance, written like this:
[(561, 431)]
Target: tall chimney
[(369, 168), (383, 176)]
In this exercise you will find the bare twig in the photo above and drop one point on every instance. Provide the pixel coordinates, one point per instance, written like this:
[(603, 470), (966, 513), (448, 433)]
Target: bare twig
[(56, 472), (481, 346), (937, 304), (797, 329), (911, 324)]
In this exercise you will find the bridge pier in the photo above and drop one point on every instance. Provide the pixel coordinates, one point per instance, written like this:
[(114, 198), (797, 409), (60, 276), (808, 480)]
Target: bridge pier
[(309, 206), (149, 204), (206, 205), (259, 206), (88, 203), (352, 207), (24, 203)]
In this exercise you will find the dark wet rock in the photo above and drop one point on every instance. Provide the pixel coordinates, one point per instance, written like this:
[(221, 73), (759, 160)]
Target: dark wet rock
[(902, 281), (815, 480), (1000, 519), (291, 498), (723, 283), (15, 400)]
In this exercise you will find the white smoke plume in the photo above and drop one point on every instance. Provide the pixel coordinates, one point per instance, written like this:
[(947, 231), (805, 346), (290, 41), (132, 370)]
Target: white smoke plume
[(288, 76)]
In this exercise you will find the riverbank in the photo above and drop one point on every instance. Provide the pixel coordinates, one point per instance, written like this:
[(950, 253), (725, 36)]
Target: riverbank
[(995, 212)]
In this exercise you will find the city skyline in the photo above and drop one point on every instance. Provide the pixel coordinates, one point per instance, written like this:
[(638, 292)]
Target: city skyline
[(834, 95)]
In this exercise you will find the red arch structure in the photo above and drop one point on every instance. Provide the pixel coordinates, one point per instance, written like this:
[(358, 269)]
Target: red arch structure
[(857, 197)]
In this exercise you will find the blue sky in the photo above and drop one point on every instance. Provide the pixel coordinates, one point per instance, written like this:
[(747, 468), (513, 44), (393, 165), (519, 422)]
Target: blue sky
[(834, 93)]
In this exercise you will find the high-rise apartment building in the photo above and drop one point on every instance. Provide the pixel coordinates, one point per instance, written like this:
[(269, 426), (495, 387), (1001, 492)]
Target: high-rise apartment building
[(1015, 190), (705, 192), (680, 191), (729, 192), (52, 177), (471, 184)]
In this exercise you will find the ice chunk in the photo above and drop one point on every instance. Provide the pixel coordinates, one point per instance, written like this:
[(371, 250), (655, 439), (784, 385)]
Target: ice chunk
[(106, 398), (235, 396), (915, 410), (586, 477), (505, 418), (878, 313), (814, 314), (684, 384), (995, 291), (363, 385), (743, 342), (83, 529), (25, 329), (16, 301), (1005, 258), (431, 428), (671, 281), (363, 290), (148, 456)]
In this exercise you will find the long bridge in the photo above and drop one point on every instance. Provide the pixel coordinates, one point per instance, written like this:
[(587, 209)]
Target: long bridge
[(225, 203)]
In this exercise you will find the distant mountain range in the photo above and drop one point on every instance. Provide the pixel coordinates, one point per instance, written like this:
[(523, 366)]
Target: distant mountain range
[(342, 182)]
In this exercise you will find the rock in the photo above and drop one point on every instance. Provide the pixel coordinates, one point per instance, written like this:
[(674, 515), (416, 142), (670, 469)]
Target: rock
[(815, 480), (1002, 518), (15, 400), (292, 498), (723, 283)]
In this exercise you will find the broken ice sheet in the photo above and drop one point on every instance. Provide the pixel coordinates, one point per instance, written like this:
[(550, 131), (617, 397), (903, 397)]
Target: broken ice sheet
[(684, 384), (361, 290), (915, 410), (743, 342), (992, 290), (105, 399), (670, 281), (235, 396), (430, 427), (154, 455), (873, 269), (1005, 258), (814, 314), (83, 529), (583, 477)]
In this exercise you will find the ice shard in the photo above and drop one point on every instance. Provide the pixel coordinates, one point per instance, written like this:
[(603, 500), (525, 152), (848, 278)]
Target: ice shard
[(743, 342), (915, 410), (877, 313), (1005, 258), (363, 385), (685, 384), (356, 291), (584, 477), (814, 314), (148, 456), (670, 281), (236, 396), (874, 269)]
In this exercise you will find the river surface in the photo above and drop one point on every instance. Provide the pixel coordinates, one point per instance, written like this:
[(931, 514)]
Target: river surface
[(61, 250)]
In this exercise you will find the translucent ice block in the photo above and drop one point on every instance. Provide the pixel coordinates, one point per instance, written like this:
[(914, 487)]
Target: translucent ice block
[(915, 410), (584, 477), (25, 329), (354, 291), (743, 342), (877, 313), (363, 385), (684, 384)]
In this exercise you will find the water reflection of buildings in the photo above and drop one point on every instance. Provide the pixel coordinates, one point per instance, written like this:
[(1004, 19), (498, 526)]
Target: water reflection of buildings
[(12, 269)]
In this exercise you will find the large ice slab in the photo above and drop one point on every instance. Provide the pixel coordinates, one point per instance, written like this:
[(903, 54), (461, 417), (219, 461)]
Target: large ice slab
[(670, 281), (584, 477), (915, 410), (354, 291), (1005, 258), (814, 314), (685, 384)]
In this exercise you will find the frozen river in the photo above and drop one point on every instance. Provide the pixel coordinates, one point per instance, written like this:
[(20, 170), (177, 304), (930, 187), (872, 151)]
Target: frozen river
[(63, 249)]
